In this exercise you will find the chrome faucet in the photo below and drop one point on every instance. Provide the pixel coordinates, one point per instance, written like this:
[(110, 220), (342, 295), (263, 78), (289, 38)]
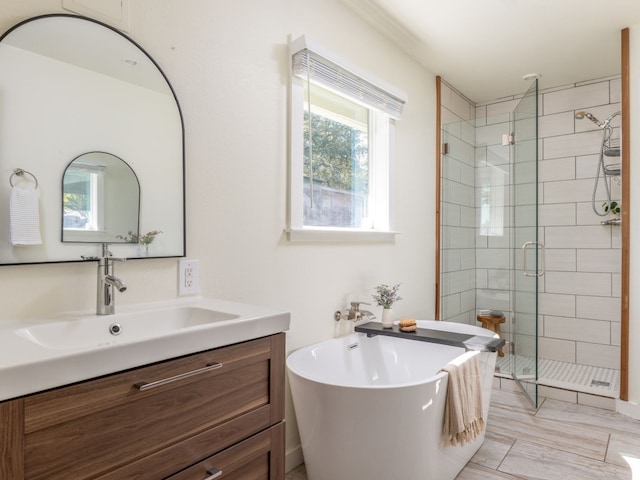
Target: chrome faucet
[(107, 282), (354, 313)]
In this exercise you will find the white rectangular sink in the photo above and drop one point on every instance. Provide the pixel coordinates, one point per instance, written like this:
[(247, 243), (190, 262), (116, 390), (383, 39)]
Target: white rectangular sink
[(43, 353), (103, 330)]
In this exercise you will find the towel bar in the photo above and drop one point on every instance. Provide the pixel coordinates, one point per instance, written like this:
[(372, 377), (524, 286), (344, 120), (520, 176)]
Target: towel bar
[(20, 172)]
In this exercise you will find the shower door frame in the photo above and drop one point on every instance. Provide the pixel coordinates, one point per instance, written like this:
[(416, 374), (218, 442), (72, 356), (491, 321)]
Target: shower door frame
[(522, 289), (527, 250)]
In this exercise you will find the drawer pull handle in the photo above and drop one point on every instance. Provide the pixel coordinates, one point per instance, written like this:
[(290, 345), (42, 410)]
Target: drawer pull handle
[(213, 473), (142, 386)]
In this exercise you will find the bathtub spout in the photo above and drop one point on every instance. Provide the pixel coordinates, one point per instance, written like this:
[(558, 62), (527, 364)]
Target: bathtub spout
[(354, 313), (366, 315)]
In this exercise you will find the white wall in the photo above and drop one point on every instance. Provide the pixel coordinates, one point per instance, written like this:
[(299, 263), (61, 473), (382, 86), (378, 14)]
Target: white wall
[(227, 61)]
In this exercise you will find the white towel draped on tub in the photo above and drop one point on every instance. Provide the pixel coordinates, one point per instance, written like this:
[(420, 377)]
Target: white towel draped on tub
[(463, 420), (24, 217)]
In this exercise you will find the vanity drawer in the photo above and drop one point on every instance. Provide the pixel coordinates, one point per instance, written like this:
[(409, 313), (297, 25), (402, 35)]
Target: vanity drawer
[(257, 458), (71, 402), (91, 429), (176, 457)]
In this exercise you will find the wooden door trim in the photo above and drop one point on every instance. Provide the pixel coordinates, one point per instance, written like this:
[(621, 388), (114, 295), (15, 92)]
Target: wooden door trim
[(625, 210), (437, 189)]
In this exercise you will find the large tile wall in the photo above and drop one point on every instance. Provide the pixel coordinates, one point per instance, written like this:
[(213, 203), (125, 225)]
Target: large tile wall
[(580, 303), (580, 291), (458, 230)]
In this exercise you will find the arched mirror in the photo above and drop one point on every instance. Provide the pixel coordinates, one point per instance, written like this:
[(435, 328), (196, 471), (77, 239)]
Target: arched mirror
[(71, 85), (100, 199)]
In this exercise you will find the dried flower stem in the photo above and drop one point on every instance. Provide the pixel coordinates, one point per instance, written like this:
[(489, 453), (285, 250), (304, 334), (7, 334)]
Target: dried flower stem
[(386, 296)]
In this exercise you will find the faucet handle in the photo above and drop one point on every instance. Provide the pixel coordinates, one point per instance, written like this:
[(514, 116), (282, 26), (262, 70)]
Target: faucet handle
[(352, 314), (106, 254), (110, 259), (354, 311)]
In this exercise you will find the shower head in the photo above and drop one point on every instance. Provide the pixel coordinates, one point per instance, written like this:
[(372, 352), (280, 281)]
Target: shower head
[(580, 115)]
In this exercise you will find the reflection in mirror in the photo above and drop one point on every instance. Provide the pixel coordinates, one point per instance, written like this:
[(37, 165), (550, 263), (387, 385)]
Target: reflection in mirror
[(71, 85), (100, 199), (493, 198)]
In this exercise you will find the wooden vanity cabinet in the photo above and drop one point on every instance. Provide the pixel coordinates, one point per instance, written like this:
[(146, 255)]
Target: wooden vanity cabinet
[(219, 410)]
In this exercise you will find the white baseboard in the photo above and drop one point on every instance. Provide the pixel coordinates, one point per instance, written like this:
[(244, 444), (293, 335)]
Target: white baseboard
[(293, 458), (630, 409)]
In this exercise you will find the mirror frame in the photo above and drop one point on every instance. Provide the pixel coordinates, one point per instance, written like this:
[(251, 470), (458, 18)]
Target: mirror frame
[(93, 248)]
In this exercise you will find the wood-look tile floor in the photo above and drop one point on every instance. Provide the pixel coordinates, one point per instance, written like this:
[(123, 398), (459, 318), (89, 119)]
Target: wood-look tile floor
[(561, 441)]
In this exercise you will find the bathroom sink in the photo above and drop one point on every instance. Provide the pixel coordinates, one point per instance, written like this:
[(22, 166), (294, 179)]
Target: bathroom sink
[(42, 353), (104, 330)]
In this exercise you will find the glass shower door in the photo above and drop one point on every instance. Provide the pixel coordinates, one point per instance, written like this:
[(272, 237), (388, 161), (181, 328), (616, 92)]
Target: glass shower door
[(528, 251)]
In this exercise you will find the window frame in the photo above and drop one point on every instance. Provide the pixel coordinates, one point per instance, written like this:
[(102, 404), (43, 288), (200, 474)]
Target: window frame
[(381, 137)]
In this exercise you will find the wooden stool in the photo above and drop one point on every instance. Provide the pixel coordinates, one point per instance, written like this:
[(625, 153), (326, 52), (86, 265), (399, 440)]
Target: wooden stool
[(492, 323)]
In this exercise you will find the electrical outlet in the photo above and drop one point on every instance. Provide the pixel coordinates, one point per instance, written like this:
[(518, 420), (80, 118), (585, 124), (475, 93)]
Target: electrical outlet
[(187, 277)]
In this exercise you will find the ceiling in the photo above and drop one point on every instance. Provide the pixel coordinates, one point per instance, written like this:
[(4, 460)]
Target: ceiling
[(484, 48)]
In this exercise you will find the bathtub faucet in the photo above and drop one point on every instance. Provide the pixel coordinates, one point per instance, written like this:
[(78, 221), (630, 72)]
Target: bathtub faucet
[(354, 313)]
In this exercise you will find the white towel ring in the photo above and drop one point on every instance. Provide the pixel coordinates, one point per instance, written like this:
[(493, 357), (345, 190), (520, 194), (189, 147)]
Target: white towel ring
[(20, 172)]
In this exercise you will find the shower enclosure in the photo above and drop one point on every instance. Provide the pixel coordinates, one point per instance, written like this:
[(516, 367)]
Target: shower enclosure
[(505, 189), (490, 254)]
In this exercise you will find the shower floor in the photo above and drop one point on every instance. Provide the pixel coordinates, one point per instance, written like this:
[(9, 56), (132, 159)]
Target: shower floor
[(569, 376)]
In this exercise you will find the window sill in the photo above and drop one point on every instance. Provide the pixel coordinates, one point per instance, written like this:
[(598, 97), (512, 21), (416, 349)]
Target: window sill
[(338, 235)]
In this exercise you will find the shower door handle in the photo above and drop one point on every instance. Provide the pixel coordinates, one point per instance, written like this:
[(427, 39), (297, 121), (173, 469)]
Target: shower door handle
[(540, 272)]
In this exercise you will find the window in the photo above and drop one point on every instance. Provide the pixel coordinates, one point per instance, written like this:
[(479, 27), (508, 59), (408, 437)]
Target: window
[(493, 202), (341, 137), (83, 197)]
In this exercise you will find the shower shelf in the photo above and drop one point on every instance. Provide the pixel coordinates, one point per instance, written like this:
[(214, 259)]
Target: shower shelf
[(613, 170), (612, 152), (611, 147)]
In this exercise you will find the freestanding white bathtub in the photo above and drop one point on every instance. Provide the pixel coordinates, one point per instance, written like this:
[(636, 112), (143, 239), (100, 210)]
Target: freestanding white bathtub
[(373, 408)]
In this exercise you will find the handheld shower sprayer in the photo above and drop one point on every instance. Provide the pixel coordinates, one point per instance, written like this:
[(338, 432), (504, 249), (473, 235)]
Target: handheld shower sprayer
[(580, 115)]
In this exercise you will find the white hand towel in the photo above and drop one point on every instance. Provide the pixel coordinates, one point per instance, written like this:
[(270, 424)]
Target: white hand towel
[(463, 420), (24, 216)]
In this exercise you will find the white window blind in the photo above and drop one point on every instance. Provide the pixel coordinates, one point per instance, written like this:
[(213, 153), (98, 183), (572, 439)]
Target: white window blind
[(315, 67)]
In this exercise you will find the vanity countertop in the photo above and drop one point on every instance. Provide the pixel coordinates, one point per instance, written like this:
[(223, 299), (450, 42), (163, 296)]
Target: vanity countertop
[(43, 353)]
